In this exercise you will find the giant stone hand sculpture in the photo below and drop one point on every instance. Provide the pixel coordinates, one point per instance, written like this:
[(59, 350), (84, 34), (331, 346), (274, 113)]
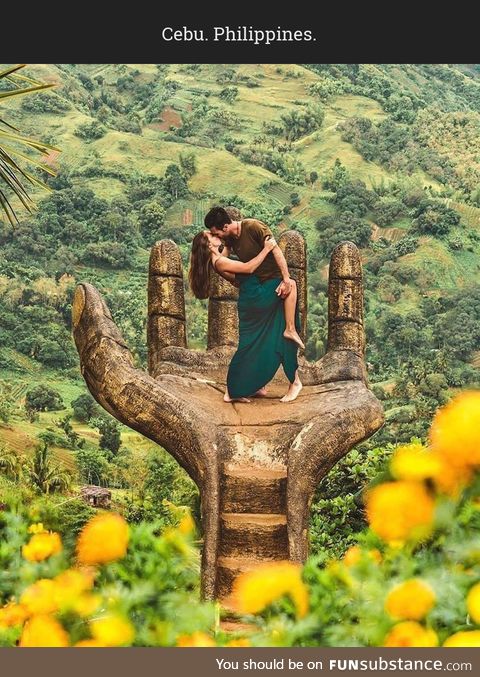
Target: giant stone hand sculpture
[(256, 465)]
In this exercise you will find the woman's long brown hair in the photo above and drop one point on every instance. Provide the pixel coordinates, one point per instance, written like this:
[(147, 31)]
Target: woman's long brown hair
[(200, 269)]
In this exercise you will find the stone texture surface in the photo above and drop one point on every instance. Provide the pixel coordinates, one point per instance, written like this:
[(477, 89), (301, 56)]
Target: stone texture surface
[(257, 465)]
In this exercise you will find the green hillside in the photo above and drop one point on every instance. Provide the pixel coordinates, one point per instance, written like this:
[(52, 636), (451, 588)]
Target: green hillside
[(385, 155)]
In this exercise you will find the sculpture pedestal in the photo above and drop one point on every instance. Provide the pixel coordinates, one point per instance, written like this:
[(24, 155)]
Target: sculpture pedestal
[(257, 465)]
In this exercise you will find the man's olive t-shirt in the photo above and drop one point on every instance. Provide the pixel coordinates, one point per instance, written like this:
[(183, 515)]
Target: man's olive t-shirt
[(250, 243)]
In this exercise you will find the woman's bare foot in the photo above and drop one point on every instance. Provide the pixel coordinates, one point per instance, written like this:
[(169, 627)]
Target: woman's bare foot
[(227, 398), (293, 336), (292, 392), (261, 392)]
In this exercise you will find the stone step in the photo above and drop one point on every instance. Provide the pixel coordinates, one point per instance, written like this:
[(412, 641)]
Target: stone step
[(228, 568), (257, 535), (233, 627), (253, 490)]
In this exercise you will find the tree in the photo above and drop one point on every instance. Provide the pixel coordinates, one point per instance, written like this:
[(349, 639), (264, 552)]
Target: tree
[(151, 217), (435, 219), (336, 177), (354, 197), (84, 407), (229, 94), (175, 183), (73, 438), (90, 131), (313, 177), (387, 209), (347, 226), (93, 466), (43, 398), (46, 475), (53, 354), (188, 163), (298, 123), (109, 431), (11, 463), (7, 401)]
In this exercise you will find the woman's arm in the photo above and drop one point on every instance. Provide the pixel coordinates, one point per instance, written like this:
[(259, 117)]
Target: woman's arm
[(227, 265), (230, 277)]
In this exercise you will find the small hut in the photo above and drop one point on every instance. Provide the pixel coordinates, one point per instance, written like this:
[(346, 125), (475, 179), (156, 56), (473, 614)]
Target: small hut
[(98, 497)]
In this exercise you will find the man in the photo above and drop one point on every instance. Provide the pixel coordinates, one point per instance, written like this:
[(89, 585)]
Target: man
[(245, 238)]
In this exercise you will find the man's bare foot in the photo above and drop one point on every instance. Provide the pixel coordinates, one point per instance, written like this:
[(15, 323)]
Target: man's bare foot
[(227, 398), (292, 392), (293, 336), (261, 392)]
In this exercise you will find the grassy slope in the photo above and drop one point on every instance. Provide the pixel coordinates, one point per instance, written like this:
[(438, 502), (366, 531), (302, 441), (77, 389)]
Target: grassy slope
[(221, 172)]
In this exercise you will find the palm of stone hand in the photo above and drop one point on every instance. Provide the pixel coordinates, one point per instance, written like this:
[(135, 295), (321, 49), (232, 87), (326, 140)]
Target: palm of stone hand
[(256, 465)]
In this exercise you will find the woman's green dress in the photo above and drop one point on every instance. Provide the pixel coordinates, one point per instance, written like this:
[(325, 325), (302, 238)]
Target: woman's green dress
[(262, 348)]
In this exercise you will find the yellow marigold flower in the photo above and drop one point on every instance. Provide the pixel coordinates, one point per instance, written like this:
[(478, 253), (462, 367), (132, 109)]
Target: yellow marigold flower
[(354, 555), (451, 477), (473, 603), (254, 590), (411, 600), (414, 462), (376, 555), (112, 630), (37, 528), (410, 633), (196, 639), (12, 614), (41, 546), (455, 431), (86, 604), (176, 539), (40, 597), (71, 592), (103, 539), (88, 643), (340, 571), (400, 511), (468, 638), (43, 630), (238, 642), (187, 524), (70, 584), (78, 579)]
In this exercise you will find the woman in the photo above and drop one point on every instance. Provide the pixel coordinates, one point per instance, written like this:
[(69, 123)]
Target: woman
[(268, 325)]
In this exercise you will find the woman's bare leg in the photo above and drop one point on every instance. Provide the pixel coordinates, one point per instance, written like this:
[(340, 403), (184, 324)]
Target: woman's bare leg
[(293, 390), (290, 304)]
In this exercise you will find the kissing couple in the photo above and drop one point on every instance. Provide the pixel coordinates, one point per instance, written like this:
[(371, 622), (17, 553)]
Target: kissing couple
[(268, 316)]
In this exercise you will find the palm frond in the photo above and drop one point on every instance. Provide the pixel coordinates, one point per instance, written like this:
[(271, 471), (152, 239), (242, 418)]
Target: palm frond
[(7, 124), (11, 173), (31, 160), (7, 208), (11, 69), (38, 145), (25, 90)]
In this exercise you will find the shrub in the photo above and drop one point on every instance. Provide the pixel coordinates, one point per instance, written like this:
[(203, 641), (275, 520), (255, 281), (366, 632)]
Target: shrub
[(43, 398), (84, 407), (89, 131)]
